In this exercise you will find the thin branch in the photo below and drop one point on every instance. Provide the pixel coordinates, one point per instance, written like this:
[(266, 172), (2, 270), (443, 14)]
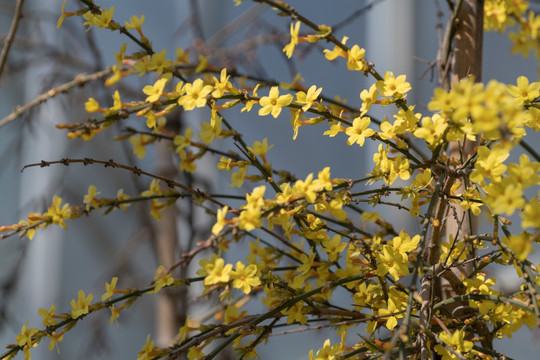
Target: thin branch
[(78, 81), (135, 170), (11, 35), (529, 149)]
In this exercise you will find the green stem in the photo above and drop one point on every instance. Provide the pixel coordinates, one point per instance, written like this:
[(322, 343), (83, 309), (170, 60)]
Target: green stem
[(285, 305)]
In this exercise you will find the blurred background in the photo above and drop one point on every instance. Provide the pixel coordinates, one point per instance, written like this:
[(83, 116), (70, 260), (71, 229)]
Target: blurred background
[(398, 35)]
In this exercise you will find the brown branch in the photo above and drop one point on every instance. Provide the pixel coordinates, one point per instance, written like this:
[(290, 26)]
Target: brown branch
[(135, 170), (11, 35), (78, 81)]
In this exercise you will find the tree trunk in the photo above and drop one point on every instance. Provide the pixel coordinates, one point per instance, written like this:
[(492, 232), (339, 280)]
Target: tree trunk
[(466, 60), (167, 249)]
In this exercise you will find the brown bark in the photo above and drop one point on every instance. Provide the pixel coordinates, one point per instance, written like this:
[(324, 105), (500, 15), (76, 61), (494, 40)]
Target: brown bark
[(167, 248), (466, 60)]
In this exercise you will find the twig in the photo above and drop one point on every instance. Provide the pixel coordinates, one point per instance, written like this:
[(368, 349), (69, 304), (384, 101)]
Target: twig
[(529, 149), (79, 80), (135, 170), (11, 35)]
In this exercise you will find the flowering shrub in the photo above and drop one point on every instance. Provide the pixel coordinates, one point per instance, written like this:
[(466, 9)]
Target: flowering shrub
[(310, 256)]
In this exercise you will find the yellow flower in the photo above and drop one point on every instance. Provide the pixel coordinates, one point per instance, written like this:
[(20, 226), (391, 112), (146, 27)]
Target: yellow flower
[(260, 148), (522, 42), (469, 204), (245, 278), (195, 95), (120, 196), (222, 85), (158, 62), (64, 15), (224, 164), (404, 244), (519, 245), (115, 314), (327, 352), (392, 86), (531, 213), (218, 226), (184, 331), (92, 106), (432, 130), (217, 272), (337, 51), (526, 173), (392, 261), (90, 198), (134, 23), (139, 143), (237, 178), (296, 122), (80, 307), (111, 289), (355, 59), (195, 353), (323, 180), (24, 339), (422, 180), (306, 188), (162, 279), (208, 132), (490, 163), (48, 315), (55, 339), (149, 351), (368, 98), (524, 92), (182, 142), (359, 131), (250, 218), (333, 247), (442, 100), (155, 91), (102, 20), (307, 263), (495, 15), (308, 98), (273, 103), (456, 341), (295, 313), (117, 103), (335, 129), (58, 214), (505, 197), (203, 64), (289, 48)]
